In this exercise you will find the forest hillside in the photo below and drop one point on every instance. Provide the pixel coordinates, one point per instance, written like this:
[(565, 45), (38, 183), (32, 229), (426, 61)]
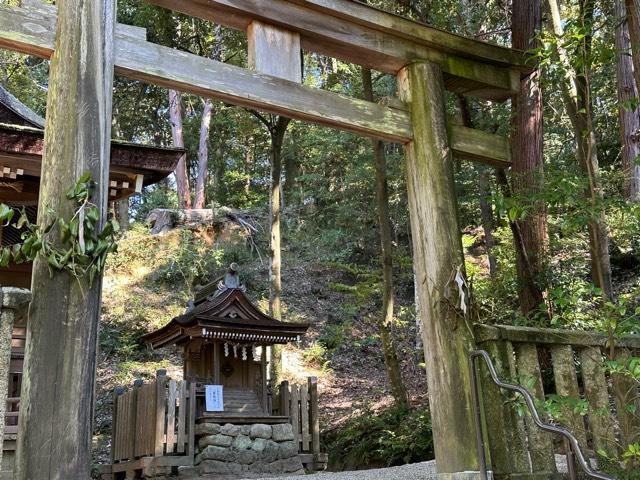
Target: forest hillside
[(150, 280)]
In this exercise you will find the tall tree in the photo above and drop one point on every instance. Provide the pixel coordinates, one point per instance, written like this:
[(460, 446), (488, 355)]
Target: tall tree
[(277, 127), (528, 161), (385, 320), (628, 113), (205, 125), (182, 175), (576, 94), (203, 154), (632, 8)]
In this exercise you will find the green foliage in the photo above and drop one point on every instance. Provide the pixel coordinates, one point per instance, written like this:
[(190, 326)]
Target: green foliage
[(315, 355), (193, 262), (391, 437), (333, 336), (82, 247)]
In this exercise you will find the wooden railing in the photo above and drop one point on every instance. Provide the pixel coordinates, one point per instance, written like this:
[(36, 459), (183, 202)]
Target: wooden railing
[(567, 369), (153, 420), (300, 404)]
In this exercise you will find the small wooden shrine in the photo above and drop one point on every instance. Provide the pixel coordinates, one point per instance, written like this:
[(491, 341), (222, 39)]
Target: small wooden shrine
[(225, 340)]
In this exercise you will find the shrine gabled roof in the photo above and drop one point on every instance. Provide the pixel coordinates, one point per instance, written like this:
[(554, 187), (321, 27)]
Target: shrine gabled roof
[(16, 111), (227, 315)]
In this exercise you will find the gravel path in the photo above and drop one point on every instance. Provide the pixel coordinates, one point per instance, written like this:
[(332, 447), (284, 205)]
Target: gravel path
[(415, 471)]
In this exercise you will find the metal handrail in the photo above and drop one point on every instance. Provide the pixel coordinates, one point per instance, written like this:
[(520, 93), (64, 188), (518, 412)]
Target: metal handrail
[(571, 444)]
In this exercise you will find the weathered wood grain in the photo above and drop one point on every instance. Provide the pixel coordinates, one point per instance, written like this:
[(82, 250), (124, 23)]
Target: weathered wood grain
[(540, 443), (159, 410), (29, 32), (172, 397), (191, 420), (372, 39), (505, 429), (314, 415), (550, 336), (304, 418), (182, 417), (477, 145), (295, 414), (59, 382), (596, 393), (564, 373), (437, 252), (274, 51)]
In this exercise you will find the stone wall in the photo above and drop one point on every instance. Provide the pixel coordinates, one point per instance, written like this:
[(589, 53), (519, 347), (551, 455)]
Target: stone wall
[(245, 451)]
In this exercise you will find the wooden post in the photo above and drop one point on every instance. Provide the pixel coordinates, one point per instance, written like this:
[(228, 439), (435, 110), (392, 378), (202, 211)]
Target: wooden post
[(216, 363), (565, 376), (192, 420), (315, 418), (265, 384), (505, 429), (540, 442), (438, 258), (59, 377), (117, 392), (285, 398), (160, 416), (274, 51)]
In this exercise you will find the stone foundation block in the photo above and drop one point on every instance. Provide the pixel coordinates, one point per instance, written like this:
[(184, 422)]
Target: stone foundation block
[(260, 430), (246, 450), (206, 429), (282, 432)]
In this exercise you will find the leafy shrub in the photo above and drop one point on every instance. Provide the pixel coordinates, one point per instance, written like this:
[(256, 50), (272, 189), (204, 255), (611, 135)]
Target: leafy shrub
[(391, 437), (334, 336), (316, 356)]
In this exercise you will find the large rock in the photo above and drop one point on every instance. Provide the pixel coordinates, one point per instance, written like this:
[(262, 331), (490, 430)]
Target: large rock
[(242, 442), (246, 457), (270, 452), (217, 440), (288, 449), (230, 429), (259, 444), (206, 429), (223, 468), (282, 432), (214, 453), (287, 465), (260, 430)]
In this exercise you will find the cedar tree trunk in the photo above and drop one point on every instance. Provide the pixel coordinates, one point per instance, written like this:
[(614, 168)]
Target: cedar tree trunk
[(385, 320), (182, 176)]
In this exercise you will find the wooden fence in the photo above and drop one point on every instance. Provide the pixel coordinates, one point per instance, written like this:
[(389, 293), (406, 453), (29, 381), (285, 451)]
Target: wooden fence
[(300, 404), (566, 369), (153, 420)]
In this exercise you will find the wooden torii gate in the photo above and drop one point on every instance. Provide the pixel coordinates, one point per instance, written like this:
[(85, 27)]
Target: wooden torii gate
[(85, 45)]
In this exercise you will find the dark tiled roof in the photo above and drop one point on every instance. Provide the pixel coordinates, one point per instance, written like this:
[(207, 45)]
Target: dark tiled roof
[(20, 109), (230, 311)]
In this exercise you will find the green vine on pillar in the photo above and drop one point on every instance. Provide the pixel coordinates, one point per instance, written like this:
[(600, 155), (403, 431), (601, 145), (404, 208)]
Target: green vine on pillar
[(82, 248)]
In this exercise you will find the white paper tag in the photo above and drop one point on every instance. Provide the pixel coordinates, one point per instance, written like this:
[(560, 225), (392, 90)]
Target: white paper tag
[(213, 398)]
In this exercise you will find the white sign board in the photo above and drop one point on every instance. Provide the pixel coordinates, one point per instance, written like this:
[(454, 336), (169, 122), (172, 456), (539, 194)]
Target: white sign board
[(213, 398)]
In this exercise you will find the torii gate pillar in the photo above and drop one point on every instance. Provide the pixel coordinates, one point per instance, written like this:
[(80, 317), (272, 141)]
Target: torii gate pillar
[(56, 411), (438, 257)]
